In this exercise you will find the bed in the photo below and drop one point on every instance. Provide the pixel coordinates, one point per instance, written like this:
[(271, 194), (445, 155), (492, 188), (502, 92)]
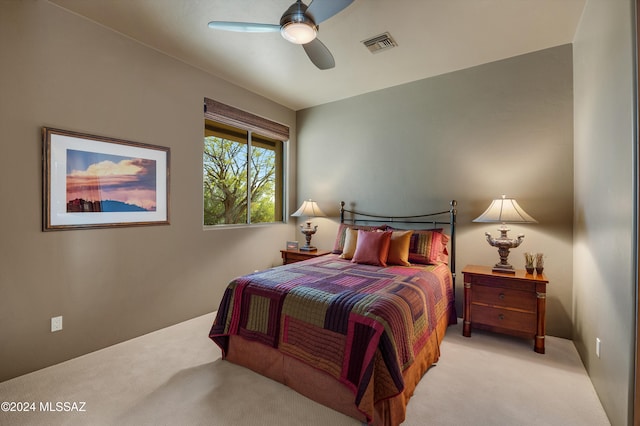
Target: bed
[(354, 330)]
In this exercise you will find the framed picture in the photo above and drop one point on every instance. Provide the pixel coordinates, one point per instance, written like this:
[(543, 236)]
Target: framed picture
[(98, 182), (292, 245)]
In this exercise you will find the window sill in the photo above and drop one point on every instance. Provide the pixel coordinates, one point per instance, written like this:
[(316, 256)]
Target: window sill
[(241, 226)]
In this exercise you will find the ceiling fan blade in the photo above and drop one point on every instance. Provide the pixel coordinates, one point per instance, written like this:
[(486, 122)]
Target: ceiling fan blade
[(244, 27), (321, 10), (319, 54)]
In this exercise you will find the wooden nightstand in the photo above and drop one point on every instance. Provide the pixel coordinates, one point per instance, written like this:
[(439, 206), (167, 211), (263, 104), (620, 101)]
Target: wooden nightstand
[(292, 256), (512, 304)]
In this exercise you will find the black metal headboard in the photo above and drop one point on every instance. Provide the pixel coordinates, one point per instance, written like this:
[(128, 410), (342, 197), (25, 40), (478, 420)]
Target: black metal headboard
[(428, 221)]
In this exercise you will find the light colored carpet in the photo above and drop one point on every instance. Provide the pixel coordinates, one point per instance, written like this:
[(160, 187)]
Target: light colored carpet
[(175, 377)]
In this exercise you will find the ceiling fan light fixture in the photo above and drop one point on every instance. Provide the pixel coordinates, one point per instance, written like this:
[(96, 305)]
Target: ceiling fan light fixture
[(299, 32)]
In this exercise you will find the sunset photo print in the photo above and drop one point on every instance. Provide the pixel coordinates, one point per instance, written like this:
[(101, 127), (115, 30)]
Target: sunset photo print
[(99, 182), (109, 183)]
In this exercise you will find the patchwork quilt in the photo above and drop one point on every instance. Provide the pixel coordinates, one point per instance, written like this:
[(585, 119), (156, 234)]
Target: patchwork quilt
[(340, 317)]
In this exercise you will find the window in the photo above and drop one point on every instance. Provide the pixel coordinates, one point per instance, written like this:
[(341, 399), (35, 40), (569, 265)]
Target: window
[(243, 167)]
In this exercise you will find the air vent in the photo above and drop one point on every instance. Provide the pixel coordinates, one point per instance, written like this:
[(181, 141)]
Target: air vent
[(379, 43)]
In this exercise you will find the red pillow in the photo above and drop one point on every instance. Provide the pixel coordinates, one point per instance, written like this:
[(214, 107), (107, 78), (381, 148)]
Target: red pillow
[(372, 247)]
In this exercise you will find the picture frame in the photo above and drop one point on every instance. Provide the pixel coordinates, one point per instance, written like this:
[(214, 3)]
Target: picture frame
[(100, 182), (292, 245)]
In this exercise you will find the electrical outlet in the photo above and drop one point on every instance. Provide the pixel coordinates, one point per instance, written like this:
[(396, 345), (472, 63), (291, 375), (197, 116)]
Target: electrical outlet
[(56, 324), (598, 347)]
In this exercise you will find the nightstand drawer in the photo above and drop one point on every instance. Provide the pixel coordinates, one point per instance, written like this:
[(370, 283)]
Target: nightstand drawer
[(297, 257), (524, 322), (496, 296), (292, 256), (502, 282)]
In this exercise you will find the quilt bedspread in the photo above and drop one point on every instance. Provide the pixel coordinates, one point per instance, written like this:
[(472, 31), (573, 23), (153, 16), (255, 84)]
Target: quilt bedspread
[(339, 316)]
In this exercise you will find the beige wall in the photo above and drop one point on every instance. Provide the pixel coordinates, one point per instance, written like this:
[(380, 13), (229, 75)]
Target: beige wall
[(471, 135), (604, 290), (60, 70)]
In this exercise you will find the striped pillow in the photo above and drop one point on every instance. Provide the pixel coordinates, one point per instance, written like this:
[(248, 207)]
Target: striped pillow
[(428, 247), (338, 246)]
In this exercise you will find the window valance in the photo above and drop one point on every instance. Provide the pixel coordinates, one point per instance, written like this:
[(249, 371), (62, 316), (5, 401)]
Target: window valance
[(217, 111)]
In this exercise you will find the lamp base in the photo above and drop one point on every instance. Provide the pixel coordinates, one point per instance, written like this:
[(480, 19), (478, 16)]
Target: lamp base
[(504, 244), (308, 231), (503, 269)]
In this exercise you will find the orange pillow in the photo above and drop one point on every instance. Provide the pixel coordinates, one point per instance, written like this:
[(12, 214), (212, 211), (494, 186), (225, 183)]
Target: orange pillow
[(372, 247), (399, 248)]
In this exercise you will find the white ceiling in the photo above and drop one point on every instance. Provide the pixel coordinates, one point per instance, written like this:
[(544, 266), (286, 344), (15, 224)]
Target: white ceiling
[(434, 37)]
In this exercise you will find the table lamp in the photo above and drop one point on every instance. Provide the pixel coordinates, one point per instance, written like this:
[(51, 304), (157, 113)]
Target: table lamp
[(309, 209), (504, 210)]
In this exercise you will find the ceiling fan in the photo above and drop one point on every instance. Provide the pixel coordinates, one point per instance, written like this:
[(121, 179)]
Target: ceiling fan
[(299, 25)]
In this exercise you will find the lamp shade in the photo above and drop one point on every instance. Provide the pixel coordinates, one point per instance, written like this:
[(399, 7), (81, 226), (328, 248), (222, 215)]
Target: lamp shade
[(505, 210), (309, 209)]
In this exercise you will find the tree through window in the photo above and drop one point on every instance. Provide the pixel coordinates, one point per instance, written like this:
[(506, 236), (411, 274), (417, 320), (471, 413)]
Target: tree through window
[(242, 173)]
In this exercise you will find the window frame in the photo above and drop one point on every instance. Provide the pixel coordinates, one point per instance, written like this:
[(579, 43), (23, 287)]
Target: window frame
[(220, 113)]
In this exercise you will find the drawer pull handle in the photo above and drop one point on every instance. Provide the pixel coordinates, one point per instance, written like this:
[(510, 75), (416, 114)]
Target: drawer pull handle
[(501, 296), (501, 317)]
